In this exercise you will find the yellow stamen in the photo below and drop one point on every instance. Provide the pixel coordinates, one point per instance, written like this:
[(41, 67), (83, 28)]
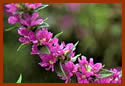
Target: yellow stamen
[(83, 76), (51, 62)]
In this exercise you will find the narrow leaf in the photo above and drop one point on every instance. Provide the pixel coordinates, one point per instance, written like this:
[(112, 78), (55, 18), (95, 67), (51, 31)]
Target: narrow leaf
[(40, 8), (60, 64), (44, 24), (58, 35), (105, 73), (11, 28), (75, 58), (19, 79), (21, 46), (74, 47), (45, 19)]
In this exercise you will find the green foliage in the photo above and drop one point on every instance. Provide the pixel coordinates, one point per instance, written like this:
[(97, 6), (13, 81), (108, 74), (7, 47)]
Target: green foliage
[(11, 28), (42, 7), (58, 35), (44, 50), (75, 57), (105, 73), (21, 46), (74, 47), (44, 24), (59, 70), (19, 79)]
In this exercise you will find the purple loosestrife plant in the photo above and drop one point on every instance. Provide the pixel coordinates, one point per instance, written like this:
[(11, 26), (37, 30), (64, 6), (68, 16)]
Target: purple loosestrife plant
[(60, 58)]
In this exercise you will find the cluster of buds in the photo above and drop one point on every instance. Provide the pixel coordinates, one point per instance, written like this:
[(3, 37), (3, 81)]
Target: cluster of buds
[(60, 57)]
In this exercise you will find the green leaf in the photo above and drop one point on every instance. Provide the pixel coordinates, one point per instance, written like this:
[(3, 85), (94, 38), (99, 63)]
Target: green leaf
[(11, 28), (21, 46), (105, 73), (44, 50), (44, 24), (45, 19), (42, 7), (74, 47), (58, 35), (19, 79), (60, 64), (75, 58), (59, 70)]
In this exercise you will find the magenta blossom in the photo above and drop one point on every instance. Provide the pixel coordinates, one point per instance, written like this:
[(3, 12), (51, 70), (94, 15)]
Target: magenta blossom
[(116, 77), (33, 5), (12, 7), (69, 68), (87, 69), (13, 19), (31, 20), (73, 6), (27, 36), (43, 36), (68, 48), (47, 61), (57, 50), (103, 80), (35, 49)]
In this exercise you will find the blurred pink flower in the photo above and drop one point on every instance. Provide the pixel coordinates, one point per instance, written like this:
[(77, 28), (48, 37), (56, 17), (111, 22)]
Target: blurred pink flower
[(74, 7)]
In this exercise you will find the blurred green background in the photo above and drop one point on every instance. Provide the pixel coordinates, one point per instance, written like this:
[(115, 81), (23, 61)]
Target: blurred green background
[(98, 27)]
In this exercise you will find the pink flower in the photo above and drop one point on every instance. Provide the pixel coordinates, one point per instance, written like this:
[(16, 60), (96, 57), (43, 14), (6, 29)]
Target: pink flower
[(103, 80), (12, 20), (31, 20), (12, 7), (116, 77), (56, 50), (48, 61), (69, 68), (87, 70), (68, 47), (43, 36), (33, 5), (35, 49), (27, 36), (73, 6)]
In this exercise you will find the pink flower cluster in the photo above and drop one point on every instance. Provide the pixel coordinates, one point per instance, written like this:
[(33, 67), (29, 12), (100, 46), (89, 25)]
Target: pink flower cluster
[(83, 71)]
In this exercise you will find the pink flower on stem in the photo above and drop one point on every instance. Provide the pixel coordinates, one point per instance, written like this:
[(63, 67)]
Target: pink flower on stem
[(33, 5), (31, 20), (13, 19), (87, 69), (12, 7), (27, 36), (44, 36), (48, 61), (35, 49), (69, 68)]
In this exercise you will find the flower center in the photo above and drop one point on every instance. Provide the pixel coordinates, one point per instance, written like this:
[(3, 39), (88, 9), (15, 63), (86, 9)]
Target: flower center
[(44, 39), (83, 76), (51, 62)]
